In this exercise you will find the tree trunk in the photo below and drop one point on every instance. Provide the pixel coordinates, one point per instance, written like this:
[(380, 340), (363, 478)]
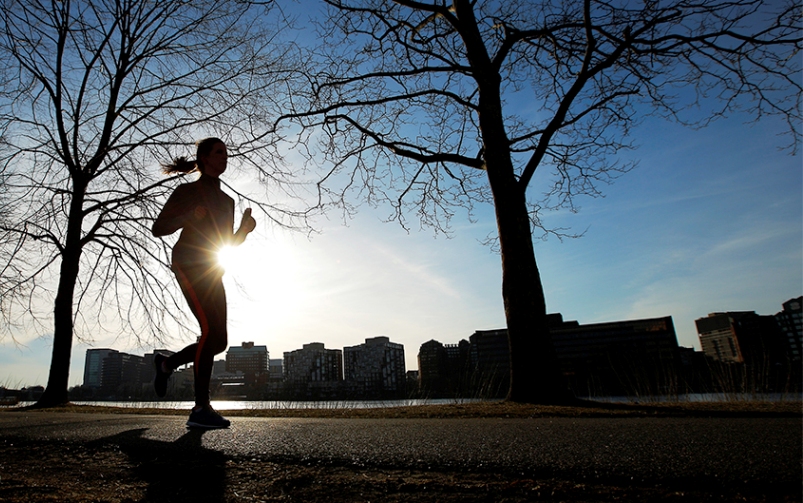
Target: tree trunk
[(56, 392), (534, 373), (535, 376), (58, 380)]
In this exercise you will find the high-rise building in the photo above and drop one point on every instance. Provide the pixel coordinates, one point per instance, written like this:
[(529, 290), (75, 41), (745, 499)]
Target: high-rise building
[(249, 359), (313, 363), (93, 366), (630, 357), (593, 357), (444, 369), (791, 322), (376, 368), (490, 362), (718, 336), (754, 350), (578, 346), (109, 372), (121, 374), (742, 337), (432, 368)]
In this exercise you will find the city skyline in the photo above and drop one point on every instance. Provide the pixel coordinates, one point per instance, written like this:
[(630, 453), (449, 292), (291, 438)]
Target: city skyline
[(711, 220), (725, 337)]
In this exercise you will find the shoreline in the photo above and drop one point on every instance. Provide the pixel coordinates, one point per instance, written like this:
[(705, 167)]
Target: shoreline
[(498, 409)]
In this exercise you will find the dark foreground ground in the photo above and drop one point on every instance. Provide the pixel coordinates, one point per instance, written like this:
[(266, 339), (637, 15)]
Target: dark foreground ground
[(69, 468)]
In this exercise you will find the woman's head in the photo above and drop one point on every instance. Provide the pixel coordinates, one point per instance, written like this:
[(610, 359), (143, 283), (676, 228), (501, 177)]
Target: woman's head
[(212, 156), (209, 153)]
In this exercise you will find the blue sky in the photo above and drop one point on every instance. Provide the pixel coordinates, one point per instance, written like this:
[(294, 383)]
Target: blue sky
[(711, 220)]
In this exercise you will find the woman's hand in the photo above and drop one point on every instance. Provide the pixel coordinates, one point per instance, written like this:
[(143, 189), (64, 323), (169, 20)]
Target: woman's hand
[(248, 223)]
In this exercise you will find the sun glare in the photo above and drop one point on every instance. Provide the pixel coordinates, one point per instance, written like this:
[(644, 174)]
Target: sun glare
[(227, 257), (262, 278)]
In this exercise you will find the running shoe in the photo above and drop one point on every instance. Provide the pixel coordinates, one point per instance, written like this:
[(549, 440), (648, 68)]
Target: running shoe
[(160, 381), (206, 417)]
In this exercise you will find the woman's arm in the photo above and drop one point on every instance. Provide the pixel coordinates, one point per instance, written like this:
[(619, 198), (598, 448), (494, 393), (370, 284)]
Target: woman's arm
[(247, 224), (174, 214)]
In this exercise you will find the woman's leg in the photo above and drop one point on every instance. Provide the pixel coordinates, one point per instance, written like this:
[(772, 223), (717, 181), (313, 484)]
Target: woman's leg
[(183, 357), (206, 296)]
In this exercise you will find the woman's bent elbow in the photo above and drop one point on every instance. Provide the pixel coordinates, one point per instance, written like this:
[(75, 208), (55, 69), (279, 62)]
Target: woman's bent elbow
[(162, 228)]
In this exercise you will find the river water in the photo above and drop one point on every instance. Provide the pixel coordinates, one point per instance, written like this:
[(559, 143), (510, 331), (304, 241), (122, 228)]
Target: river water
[(367, 404), (275, 404)]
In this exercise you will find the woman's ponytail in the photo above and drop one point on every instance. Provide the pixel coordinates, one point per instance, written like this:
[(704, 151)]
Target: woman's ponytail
[(185, 166), (180, 165)]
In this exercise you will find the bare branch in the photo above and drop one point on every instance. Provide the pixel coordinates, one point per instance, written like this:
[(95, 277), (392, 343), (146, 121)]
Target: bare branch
[(95, 95)]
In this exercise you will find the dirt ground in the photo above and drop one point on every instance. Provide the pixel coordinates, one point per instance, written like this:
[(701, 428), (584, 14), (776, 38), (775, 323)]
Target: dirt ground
[(60, 471)]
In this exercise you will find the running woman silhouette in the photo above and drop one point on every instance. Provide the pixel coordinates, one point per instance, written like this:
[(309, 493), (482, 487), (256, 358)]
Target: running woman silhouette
[(205, 215)]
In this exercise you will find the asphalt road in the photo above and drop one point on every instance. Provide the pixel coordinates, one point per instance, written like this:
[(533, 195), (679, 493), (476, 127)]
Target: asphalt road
[(704, 450)]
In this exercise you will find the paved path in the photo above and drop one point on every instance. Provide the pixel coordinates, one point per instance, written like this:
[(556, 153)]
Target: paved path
[(680, 450)]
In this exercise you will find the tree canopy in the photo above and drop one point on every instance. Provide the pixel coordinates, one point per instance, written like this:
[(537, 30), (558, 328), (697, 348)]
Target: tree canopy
[(434, 106), (95, 96)]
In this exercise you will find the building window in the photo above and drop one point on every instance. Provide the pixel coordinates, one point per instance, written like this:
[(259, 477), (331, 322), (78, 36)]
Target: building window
[(734, 353)]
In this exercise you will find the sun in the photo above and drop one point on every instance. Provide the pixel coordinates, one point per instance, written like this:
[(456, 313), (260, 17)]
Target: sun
[(227, 257), (262, 276), (257, 261)]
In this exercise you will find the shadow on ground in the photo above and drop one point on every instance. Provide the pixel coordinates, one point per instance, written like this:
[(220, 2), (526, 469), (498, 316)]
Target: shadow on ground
[(178, 471)]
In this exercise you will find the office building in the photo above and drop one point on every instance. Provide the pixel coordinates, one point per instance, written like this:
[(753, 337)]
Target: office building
[(93, 366), (375, 369), (432, 367), (580, 345), (121, 374), (249, 359), (631, 357), (489, 360), (791, 322), (742, 337), (603, 358), (718, 336), (444, 369), (313, 363)]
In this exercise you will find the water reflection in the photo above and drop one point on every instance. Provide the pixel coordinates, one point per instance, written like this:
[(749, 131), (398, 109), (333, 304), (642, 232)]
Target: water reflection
[(280, 404), (703, 397), (370, 404)]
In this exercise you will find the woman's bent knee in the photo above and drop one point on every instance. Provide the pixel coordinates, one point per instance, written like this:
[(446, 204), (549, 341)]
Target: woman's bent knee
[(217, 344)]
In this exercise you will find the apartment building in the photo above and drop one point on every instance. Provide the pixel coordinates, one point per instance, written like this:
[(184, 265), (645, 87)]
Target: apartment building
[(375, 369)]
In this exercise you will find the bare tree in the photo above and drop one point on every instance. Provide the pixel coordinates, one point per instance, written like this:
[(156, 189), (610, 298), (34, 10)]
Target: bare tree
[(431, 106), (97, 94)]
